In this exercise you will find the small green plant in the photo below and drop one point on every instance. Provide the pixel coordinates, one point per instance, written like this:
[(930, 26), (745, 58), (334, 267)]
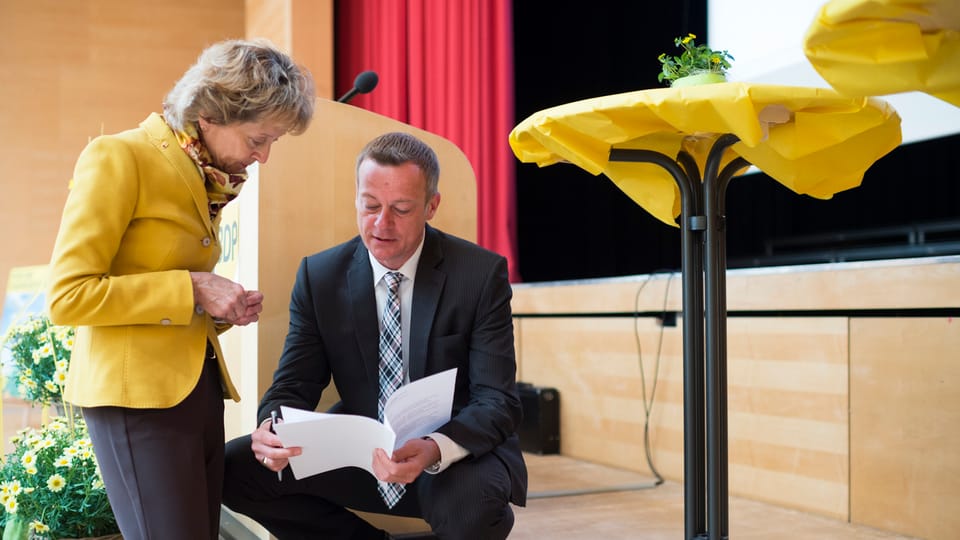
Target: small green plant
[(41, 354), (51, 486), (694, 60)]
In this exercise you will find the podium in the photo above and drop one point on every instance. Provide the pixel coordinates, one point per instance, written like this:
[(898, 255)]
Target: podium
[(674, 151)]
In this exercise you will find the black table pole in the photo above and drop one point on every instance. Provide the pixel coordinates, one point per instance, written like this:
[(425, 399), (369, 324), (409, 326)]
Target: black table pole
[(703, 245)]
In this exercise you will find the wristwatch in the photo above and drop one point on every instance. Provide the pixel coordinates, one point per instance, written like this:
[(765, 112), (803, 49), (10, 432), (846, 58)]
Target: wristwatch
[(435, 467)]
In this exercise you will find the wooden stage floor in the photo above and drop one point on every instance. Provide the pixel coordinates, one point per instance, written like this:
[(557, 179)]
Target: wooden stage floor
[(648, 514)]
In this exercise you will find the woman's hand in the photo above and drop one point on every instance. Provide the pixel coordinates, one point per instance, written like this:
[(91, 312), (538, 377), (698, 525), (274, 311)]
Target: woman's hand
[(225, 300)]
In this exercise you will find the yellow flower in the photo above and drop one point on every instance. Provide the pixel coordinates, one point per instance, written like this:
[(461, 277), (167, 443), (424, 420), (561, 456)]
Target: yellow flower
[(62, 461), (29, 459), (51, 387), (55, 483), (38, 527), (31, 471), (11, 505)]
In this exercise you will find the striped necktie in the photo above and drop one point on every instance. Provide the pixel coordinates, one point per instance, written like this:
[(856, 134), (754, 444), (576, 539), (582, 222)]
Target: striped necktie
[(391, 368)]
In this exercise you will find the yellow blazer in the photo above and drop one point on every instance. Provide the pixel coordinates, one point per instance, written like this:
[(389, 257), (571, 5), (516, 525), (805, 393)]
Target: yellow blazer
[(134, 225)]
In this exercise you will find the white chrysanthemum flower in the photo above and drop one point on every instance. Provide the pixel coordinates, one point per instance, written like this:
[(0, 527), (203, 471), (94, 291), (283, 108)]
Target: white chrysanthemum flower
[(55, 483), (13, 487)]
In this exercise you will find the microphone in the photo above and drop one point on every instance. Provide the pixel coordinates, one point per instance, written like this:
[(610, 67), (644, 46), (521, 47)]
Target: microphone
[(363, 84)]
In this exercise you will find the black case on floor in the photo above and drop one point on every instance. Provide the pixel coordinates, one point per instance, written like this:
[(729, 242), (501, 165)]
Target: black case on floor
[(540, 430)]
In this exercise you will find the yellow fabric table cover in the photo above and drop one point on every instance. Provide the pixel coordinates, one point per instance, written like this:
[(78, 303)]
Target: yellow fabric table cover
[(880, 47), (812, 140)]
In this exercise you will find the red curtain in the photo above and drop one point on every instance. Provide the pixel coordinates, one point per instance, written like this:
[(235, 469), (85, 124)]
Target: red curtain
[(447, 68)]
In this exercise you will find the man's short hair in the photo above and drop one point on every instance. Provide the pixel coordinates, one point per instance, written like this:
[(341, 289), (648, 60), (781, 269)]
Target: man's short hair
[(397, 148)]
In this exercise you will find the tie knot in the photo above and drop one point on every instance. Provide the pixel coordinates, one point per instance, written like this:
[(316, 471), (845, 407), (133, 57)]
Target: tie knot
[(393, 280)]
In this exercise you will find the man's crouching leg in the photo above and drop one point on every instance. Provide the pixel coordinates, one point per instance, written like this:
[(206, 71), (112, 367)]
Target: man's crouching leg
[(470, 499), (292, 509)]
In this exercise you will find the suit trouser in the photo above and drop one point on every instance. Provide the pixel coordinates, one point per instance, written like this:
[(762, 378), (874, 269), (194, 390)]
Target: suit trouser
[(469, 500), (163, 468)]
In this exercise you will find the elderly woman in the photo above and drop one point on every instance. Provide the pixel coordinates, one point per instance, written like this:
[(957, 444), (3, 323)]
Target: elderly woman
[(131, 269)]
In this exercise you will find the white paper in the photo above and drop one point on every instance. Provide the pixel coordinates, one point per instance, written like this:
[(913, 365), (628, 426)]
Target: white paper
[(332, 441)]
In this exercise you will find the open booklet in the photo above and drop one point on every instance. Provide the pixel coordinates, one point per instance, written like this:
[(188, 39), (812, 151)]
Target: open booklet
[(331, 441)]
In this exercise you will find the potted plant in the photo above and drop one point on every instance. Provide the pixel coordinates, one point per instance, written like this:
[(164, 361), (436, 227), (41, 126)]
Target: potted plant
[(40, 353), (50, 484), (698, 64)]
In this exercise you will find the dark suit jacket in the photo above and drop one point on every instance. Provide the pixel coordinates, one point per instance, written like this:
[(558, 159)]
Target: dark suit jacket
[(460, 318)]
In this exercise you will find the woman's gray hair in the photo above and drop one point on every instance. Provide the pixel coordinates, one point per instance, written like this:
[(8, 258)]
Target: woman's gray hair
[(242, 81), (398, 148)]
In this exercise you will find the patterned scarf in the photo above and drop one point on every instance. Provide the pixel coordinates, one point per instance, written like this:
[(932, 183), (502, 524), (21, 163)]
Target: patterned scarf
[(222, 187)]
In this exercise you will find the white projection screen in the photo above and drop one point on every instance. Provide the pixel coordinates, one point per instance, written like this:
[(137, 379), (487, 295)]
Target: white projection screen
[(766, 39)]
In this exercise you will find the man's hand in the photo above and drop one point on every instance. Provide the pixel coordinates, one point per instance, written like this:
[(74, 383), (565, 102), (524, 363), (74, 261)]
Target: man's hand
[(408, 461), (225, 300), (269, 450)]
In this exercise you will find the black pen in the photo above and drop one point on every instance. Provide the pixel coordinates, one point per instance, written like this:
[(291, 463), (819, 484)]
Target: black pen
[(273, 422)]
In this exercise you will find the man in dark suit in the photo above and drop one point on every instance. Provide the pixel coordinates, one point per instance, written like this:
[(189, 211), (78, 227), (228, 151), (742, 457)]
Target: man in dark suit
[(454, 312)]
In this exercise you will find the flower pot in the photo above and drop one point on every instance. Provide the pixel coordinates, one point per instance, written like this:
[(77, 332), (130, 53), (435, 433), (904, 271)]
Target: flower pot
[(698, 79), (18, 529)]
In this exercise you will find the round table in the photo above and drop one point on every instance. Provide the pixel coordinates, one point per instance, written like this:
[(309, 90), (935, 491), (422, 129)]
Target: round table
[(674, 151)]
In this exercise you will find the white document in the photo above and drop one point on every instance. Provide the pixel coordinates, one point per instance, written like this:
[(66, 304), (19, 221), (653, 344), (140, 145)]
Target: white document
[(331, 441)]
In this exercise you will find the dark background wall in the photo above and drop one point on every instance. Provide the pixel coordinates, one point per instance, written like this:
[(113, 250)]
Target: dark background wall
[(573, 225)]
